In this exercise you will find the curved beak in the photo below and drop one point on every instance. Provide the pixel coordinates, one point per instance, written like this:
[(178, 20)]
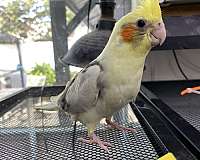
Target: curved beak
[(158, 34)]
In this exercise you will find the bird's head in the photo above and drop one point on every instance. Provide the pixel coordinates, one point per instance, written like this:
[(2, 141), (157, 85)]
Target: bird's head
[(143, 25)]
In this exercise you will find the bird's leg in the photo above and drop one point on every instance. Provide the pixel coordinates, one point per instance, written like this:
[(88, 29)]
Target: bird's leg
[(96, 140), (117, 126)]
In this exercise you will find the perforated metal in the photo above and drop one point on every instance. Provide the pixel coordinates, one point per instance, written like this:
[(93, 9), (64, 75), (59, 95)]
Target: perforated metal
[(187, 106), (29, 134), (189, 110)]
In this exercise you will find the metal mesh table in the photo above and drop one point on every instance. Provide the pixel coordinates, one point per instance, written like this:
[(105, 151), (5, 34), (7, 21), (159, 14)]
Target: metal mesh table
[(29, 134), (187, 106), (180, 113)]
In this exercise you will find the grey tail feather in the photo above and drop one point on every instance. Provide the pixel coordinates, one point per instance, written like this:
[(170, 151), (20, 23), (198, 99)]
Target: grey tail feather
[(73, 138), (89, 9), (41, 96)]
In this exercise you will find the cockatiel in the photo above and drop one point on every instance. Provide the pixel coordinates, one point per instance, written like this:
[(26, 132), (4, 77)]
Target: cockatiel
[(113, 79)]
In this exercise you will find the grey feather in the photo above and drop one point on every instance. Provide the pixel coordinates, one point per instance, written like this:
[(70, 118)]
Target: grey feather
[(82, 92)]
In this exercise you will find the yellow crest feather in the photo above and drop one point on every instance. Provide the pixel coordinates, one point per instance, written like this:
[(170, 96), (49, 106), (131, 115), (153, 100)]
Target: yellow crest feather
[(147, 9), (150, 9)]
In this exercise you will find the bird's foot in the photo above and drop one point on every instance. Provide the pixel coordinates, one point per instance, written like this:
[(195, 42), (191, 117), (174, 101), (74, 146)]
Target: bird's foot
[(96, 140), (119, 127)]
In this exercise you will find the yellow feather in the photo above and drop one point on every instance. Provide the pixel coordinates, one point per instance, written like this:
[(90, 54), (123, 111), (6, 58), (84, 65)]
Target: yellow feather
[(147, 9)]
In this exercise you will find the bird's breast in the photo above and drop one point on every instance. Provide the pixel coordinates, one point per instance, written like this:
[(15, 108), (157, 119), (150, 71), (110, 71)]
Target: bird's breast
[(124, 88)]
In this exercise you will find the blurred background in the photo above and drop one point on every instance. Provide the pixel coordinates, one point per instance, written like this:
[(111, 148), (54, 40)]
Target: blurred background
[(29, 56), (26, 48)]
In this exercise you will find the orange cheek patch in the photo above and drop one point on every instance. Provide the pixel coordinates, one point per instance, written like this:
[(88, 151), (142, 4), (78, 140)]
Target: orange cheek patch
[(127, 32)]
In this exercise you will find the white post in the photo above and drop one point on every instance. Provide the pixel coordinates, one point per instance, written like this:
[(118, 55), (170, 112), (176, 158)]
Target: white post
[(134, 4)]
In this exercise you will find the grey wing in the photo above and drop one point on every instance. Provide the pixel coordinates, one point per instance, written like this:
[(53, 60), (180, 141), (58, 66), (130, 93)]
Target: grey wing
[(82, 92)]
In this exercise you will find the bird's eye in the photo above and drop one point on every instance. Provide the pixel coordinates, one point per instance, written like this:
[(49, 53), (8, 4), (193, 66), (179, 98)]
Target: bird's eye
[(141, 23)]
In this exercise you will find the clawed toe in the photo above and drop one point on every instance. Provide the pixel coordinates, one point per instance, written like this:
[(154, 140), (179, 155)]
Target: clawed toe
[(119, 127), (95, 140)]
